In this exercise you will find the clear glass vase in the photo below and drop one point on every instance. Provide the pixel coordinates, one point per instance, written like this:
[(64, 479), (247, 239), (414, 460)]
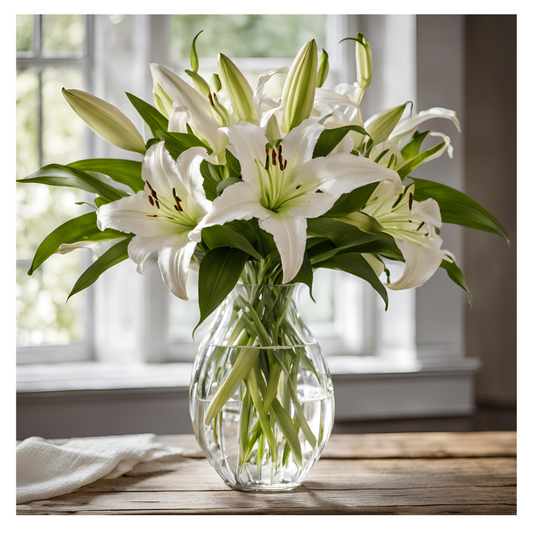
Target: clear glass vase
[(261, 396)]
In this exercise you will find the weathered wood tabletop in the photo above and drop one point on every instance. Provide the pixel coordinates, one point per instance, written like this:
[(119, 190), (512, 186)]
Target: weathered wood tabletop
[(403, 473)]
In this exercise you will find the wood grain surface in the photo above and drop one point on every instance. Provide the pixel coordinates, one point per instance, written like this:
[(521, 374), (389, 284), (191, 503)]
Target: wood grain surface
[(403, 473)]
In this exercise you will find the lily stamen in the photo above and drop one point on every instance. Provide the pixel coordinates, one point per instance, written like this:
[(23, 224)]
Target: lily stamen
[(151, 200), (274, 156), (410, 200), (267, 158), (421, 224)]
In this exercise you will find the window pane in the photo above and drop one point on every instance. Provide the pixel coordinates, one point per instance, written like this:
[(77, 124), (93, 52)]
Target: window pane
[(62, 33), (245, 35), (40, 209), (42, 316), (63, 130), (27, 122), (24, 33)]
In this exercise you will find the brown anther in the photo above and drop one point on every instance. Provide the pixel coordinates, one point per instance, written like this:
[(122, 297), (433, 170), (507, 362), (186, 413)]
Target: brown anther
[(210, 99), (157, 203), (174, 192), (151, 215), (267, 158), (151, 200), (215, 96), (178, 208), (426, 234), (410, 200), (298, 186), (421, 224), (274, 154)]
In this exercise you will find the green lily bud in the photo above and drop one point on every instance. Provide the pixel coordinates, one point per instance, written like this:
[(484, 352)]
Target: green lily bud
[(237, 88), (162, 100), (216, 84), (199, 83), (380, 126), (363, 55), (299, 89), (323, 69), (105, 120), (194, 56)]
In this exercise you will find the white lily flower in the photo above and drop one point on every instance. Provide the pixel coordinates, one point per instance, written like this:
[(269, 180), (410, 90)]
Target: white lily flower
[(412, 225), (164, 215), (280, 186)]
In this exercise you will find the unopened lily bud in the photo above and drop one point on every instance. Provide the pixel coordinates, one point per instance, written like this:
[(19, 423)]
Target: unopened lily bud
[(363, 56), (162, 100), (380, 126), (216, 84), (323, 69), (105, 120), (299, 89), (199, 83), (194, 56), (237, 88)]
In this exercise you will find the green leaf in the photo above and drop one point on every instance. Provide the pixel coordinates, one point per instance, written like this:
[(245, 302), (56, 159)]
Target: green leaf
[(233, 164), (351, 201), (407, 167), (457, 276), (78, 229), (330, 138), (224, 184), (177, 143), (240, 369), (356, 264), (305, 274), (120, 170), (153, 118), (194, 56), (413, 148), (234, 236), (63, 176), (265, 241), (213, 175), (115, 255), (219, 271), (458, 208)]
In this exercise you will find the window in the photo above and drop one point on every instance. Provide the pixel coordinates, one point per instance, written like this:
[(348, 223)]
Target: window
[(52, 52)]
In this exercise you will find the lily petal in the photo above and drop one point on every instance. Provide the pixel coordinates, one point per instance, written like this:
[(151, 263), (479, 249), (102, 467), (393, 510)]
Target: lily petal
[(421, 262), (238, 202), (249, 142), (310, 205), (340, 173), (188, 167), (259, 97), (178, 120), (299, 144), (290, 237), (135, 214), (174, 259), (404, 130), (140, 248)]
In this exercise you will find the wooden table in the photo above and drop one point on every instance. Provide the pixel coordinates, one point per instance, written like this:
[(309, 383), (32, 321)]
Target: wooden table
[(403, 473)]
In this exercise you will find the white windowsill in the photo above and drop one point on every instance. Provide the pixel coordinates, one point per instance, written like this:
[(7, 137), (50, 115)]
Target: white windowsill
[(95, 376)]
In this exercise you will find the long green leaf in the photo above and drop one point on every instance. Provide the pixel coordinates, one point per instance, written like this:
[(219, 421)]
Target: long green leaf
[(177, 143), (78, 229), (213, 176), (228, 235), (153, 118), (233, 165), (408, 167), (115, 255), (356, 264), (240, 369), (219, 271), (120, 170), (63, 176), (330, 138), (413, 148), (224, 184), (457, 276), (458, 208)]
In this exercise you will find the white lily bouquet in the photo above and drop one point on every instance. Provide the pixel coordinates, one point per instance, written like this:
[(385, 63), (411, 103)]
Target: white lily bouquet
[(258, 193)]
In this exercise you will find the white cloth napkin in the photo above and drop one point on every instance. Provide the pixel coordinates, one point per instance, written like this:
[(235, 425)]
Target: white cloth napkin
[(48, 468)]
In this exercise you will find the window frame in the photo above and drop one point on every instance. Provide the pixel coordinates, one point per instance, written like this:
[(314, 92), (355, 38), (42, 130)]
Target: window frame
[(83, 60)]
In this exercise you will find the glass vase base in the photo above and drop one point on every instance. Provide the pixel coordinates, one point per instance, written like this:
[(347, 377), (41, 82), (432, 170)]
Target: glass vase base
[(259, 487)]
